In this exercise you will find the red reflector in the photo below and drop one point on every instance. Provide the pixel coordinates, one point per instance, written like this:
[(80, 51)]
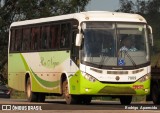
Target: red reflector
[(138, 86)]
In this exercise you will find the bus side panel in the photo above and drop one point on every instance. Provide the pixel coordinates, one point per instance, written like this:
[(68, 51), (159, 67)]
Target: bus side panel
[(46, 69), (16, 72)]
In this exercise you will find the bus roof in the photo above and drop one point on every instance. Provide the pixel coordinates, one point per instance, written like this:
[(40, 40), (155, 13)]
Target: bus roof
[(87, 16)]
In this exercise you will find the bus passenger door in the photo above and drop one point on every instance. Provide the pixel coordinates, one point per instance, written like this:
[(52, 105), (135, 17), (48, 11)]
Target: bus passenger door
[(74, 50)]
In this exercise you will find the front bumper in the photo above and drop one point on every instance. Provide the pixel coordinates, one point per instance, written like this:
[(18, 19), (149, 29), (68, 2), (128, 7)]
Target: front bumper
[(79, 85)]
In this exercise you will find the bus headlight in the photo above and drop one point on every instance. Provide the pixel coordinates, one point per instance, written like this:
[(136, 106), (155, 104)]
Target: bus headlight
[(89, 77), (144, 78)]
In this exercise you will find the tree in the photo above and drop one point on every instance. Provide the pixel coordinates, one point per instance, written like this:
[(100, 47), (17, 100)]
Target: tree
[(142, 7), (126, 6), (15, 10), (153, 7)]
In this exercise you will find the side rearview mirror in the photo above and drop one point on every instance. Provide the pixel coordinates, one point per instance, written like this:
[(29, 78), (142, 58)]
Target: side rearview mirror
[(150, 35), (78, 39)]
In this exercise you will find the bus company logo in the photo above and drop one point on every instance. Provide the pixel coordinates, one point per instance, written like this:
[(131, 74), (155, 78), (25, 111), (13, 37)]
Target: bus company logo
[(117, 78), (6, 107)]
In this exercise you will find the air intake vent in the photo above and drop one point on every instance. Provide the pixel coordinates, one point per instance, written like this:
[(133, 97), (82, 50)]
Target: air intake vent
[(137, 71), (117, 72), (96, 70)]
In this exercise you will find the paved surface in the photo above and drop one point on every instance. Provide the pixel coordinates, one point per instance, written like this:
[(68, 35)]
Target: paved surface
[(59, 106)]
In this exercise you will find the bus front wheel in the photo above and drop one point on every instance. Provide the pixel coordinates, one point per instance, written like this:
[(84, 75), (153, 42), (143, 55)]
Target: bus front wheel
[(32, 96), (70, 99), (126, 100)]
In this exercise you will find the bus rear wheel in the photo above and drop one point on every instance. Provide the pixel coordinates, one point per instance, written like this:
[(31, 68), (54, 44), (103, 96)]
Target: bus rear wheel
[(126, 100), (31, 96), (41, 97), (155, 94), (70, 99)]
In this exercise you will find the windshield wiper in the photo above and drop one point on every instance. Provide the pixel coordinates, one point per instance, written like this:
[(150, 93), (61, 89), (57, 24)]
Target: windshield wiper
[(130, 58)]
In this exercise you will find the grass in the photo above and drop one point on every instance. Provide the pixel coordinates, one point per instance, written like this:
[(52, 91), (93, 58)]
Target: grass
[(18, 95)]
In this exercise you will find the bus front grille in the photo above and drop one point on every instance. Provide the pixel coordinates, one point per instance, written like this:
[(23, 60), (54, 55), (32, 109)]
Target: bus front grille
[(117, 90), (117, 72)]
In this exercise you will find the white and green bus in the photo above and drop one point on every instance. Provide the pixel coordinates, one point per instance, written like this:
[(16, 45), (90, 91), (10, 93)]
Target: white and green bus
[(81, 55)]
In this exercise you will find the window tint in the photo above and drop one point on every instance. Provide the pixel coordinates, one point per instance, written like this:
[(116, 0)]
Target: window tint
[(65, 35), (45, 37), (26, 39), (18, 39), (55, 36), (35, 38), (12, 40), (41, 37)]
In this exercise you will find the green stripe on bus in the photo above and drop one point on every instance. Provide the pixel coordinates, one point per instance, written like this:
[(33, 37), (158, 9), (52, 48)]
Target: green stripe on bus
[(41, 81), (45, 83), (24, 62)]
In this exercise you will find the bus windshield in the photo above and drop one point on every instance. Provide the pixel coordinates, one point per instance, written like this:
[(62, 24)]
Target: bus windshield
[(115, 44)]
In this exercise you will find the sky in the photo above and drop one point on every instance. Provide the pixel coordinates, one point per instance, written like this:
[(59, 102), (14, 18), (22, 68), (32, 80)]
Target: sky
[(104, 5)]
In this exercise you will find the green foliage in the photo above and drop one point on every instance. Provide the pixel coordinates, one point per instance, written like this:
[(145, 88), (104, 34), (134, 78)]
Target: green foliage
[(126, 6), (29, 9)]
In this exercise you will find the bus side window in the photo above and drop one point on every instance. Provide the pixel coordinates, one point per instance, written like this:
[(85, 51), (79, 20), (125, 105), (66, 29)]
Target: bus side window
[(18, 39), (65, 35), (45, 37), (12, 40), (54, 39), (26, 39), (35, 38)]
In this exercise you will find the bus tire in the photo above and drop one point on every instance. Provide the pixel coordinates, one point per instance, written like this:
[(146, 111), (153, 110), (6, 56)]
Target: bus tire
[(155, 94), (85, 99), (41, 97), (70, 99), (31, 96), (126, 100)]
